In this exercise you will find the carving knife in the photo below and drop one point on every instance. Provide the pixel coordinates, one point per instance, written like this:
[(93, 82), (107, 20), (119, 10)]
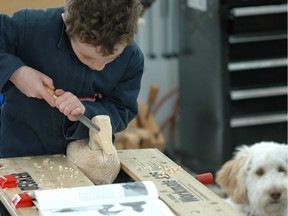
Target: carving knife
[(87, 122), (82, 118)]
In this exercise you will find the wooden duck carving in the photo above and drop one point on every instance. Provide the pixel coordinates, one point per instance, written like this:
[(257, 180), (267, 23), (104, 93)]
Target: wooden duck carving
[(96, 157)]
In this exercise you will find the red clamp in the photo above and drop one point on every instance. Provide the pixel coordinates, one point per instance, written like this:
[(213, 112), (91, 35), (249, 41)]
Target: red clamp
[(8, 181), (22, 200), (205, 178)]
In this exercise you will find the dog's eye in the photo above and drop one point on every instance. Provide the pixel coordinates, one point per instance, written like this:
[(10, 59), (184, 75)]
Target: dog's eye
[(281, 169), (260, 172)]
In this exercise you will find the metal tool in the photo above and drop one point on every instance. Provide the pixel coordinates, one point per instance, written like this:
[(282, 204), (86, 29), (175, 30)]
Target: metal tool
[(87, 122), (82, 118)]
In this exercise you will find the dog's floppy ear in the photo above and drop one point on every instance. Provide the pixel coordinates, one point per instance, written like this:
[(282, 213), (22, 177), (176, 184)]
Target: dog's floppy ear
[(231, 177)]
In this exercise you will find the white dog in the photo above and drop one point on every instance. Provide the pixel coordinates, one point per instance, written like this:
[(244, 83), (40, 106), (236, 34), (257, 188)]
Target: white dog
[(255, 180)]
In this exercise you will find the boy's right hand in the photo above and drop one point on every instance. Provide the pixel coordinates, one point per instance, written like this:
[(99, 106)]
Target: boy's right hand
[(33, 83)]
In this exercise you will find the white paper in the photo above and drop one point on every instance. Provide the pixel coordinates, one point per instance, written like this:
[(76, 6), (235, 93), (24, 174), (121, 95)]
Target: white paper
[(141, 208), (133, 198)]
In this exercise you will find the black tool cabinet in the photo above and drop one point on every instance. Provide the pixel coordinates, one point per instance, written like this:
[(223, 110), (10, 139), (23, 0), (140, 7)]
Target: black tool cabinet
[(233, 78)]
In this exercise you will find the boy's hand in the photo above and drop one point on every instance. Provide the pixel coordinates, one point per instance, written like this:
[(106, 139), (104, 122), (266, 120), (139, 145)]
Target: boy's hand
[(68, 104), (32, 83)]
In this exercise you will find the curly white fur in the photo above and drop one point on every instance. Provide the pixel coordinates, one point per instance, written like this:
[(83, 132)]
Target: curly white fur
[(255, 180)]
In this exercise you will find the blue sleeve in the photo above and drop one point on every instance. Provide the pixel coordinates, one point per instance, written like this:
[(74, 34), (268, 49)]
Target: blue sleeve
[(11, 34), (122, 105)]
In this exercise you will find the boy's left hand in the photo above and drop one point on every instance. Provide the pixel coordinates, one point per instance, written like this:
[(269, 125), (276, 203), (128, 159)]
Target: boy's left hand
[(68, 104)]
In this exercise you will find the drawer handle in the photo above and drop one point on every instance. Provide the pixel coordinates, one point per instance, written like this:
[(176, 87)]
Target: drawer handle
[(258, 120), (258, 64), (259, 10), (258, 93)]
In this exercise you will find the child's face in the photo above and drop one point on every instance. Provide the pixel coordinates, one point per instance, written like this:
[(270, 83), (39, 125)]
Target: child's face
[(92, 57)]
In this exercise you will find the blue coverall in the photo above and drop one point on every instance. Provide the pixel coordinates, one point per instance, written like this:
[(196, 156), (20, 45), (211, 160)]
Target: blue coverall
[(29, 126)]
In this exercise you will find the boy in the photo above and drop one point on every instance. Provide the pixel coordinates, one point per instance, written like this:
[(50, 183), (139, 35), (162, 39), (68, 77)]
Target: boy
[(85, 52)]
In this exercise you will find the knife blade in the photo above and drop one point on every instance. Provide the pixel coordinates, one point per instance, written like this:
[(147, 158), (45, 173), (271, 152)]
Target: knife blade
[(80, 117), (87, 122)]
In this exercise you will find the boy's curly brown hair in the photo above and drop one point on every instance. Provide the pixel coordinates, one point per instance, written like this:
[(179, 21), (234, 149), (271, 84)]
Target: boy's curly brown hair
[(102, 23)]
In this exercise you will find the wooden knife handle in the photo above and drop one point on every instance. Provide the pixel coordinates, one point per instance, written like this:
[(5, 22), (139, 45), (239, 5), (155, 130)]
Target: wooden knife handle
[(51, 92)]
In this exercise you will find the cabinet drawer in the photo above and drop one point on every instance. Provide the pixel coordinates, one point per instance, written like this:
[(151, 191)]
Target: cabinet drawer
[(246, 3), (259, 24), (249, 135), (261, 47), (258, 77), (254, 106), (261, 19)]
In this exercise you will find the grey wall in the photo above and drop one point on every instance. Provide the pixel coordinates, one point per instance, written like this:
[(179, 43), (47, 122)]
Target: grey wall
[(159, 36)]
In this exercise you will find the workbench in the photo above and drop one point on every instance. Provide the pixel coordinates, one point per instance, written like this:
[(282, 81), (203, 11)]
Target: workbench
[(177, 188)]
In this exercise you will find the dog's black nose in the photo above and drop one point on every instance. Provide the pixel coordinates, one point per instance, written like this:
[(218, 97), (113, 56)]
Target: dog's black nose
[(275, 194)]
